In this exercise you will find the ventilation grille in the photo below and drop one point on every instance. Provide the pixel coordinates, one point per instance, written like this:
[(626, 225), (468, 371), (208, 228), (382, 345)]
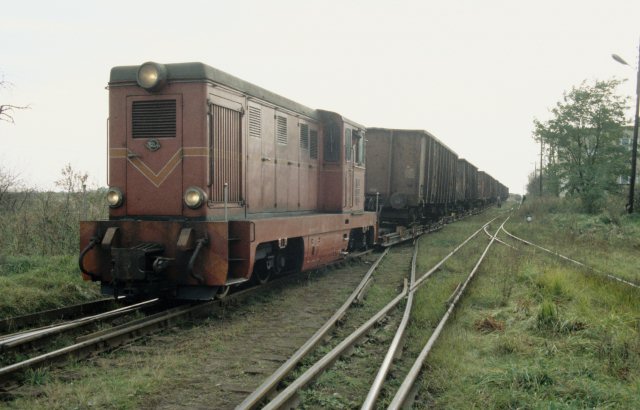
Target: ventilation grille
[(304, 136), (226, 160), (255, 121), (281, 130), (153, 119), (313, 144)]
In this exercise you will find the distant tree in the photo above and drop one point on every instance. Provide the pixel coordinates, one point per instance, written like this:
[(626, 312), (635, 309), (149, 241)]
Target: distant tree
[(6, 110), (583, 142)]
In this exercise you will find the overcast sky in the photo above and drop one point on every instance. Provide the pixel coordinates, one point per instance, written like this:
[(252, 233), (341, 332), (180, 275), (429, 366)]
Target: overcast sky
[(474, 73)]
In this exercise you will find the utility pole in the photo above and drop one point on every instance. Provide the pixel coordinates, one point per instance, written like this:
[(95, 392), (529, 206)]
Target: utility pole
[(634, 149), (541, 145)]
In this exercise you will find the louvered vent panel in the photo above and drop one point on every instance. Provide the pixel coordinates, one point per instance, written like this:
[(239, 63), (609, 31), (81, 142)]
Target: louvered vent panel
[(255, 121), (304, 136), (153, 119), (226, 157), (313, 144), (281, 130)]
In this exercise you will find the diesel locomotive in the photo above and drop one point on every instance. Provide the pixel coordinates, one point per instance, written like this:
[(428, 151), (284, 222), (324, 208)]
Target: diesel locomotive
[(214, 181)]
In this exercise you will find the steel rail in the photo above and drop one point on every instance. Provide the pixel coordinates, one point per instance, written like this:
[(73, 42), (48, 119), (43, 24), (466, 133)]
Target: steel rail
[(83, 349), (374, 391), (272, 381), (124, 333), (376, 387), (13, 341), (129, 332), (54, 314), (402, 393), (330, 357), (608, 275), (498, 239), (424, 277)]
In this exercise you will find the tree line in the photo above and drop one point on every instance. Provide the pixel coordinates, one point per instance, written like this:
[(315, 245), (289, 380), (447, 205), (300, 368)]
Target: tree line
[(46, 223), (584, 146)]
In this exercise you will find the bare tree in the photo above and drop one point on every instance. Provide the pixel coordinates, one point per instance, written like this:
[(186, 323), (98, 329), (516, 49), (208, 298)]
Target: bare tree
[(8, 181), (7, 110)]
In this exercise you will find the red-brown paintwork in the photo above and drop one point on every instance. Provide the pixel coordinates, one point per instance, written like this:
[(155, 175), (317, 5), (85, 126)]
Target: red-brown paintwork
[(325, 237), (282, 192)]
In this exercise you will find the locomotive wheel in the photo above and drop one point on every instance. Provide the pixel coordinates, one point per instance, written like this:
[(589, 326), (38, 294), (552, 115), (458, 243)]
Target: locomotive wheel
[(262, 276), (223, 291)]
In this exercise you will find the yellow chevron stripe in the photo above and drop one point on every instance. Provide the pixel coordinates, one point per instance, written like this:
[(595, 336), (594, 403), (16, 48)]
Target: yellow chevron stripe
[(195, 152), (160, 177), (118, 153)]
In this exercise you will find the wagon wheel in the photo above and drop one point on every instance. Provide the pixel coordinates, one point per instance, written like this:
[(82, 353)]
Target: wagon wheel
[(223, 291)]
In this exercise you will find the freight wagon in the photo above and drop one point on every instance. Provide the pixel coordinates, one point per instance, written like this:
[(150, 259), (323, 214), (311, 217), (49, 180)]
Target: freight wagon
[(411, 177)]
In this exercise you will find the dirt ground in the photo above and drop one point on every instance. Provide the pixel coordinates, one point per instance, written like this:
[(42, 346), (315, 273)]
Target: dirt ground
[(252, 341)]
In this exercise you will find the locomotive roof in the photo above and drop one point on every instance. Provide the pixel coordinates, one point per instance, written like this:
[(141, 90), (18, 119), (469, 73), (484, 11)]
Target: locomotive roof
[(201, 72)]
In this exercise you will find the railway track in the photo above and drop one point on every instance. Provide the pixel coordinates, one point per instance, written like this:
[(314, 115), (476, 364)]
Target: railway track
[(35, 338), (561, 256), (403, 397), (158, 317), (287, 397), (258, 365), (14, 324)]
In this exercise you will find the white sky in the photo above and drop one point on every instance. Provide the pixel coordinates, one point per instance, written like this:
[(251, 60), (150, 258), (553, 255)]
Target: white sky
[(474, 73)]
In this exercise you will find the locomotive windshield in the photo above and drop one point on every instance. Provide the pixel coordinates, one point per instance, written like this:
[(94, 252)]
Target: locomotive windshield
[(332, 143)]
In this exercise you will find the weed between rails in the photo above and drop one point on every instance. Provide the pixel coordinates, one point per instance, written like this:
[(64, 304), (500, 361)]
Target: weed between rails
[(536, 332)]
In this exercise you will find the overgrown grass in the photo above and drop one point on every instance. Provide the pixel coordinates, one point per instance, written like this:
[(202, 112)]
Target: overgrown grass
[(31, 283), (534, 331)]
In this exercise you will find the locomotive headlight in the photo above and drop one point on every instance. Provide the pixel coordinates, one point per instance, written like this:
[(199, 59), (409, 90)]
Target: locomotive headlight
[(152, 76), (115, 198), (194, 197)]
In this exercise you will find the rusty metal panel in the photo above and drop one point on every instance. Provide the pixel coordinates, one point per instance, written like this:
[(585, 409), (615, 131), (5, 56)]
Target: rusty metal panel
[(327, 231), (226, 156), (431, 181), (484, 186), (210, 265), (379, 148), (467, 182), (452, 173), (396, 165), (331, 191)]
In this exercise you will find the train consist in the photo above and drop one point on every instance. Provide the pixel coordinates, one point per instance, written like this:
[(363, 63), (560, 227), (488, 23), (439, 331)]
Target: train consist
[(417, 178), (214, 181)]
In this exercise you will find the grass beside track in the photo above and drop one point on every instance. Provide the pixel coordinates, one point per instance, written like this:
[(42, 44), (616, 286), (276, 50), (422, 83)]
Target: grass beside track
[(30, 284), (534, 331)]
